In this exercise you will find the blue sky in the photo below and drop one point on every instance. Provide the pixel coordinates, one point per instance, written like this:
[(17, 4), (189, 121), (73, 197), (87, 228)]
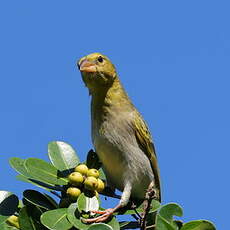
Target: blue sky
[(172, 58)]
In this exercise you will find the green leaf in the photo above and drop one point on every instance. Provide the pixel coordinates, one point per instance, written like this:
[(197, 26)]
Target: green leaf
[(169, 210), (25, 179), (163, 224), (19, 165), (87, 204), (92, 160), (28, 218), (51, 200), (56, 219), (164, 219), (155, 205), (44, 172), (102, 174), (100, 226), (74, 217), (62, 156), (114, 224), (198, 225), (8, 205), (123, 223), (38, 199), (5, 226)]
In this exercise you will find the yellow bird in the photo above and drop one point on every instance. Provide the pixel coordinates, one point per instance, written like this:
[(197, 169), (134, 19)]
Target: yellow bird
[(120, 136)]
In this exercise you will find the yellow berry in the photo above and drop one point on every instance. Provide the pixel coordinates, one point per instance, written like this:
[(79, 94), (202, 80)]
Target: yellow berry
[(76, 178), (100, 185), (13, 221), (90, 183), (82, 168), (93, 173), (73, 193)]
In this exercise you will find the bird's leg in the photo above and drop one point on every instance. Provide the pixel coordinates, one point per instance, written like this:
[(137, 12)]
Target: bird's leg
[(104, 215), (109, 212)]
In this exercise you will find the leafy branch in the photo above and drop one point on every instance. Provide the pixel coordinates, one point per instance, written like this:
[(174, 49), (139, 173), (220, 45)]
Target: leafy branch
[(58, 211)]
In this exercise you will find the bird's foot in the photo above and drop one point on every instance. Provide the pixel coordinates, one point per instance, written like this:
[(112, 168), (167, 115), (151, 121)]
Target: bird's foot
[(105, 215)]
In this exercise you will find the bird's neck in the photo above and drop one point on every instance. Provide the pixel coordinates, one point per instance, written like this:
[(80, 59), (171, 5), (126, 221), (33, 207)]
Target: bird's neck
[(109, 99)]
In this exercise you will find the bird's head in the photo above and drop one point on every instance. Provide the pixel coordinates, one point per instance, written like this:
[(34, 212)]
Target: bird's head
[(97, 71)]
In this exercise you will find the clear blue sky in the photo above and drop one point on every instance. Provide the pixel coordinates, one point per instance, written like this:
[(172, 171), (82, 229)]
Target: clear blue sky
[(173, 59)]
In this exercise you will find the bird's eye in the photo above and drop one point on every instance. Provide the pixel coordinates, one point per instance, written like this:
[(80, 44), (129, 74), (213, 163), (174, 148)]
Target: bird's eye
[(100, 59)]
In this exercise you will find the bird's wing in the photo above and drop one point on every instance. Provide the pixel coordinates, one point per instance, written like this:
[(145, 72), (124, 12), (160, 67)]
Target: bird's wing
[(144, 140)]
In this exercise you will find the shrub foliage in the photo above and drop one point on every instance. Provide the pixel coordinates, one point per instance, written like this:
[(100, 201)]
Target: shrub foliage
[(55, 210)]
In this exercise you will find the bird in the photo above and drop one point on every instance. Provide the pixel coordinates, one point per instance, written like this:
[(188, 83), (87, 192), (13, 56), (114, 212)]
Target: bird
[(120, 135)]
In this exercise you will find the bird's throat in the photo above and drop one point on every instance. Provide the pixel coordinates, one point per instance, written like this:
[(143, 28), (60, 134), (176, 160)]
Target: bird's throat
[(104, 99)]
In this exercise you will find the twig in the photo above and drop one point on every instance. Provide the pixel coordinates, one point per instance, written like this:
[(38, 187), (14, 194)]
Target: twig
[(136, 217), (137, 213), (146, 204), (151, 226)]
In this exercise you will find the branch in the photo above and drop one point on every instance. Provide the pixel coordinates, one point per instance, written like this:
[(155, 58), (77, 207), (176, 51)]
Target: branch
[(149, 196)]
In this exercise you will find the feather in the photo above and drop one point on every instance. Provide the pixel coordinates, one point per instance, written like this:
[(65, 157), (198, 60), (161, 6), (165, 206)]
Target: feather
[(144, 140)]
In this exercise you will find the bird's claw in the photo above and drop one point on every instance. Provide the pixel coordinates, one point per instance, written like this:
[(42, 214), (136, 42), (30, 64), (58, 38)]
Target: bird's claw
[(104, 216)]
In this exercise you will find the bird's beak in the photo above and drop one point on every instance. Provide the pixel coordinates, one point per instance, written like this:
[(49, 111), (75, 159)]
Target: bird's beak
[(87, 66)]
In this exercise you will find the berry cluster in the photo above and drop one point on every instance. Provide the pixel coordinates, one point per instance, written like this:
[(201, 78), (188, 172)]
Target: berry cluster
[(84, 180)]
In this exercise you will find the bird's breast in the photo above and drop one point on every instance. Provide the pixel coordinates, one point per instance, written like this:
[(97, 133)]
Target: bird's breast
[(121, 156), (112, 158)]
